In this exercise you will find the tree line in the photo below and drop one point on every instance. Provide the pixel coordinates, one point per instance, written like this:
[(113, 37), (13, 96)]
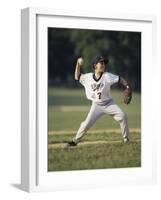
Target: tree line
[(122, 48)]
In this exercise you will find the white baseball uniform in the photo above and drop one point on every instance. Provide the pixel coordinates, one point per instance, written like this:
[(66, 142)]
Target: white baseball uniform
[(98, 91)]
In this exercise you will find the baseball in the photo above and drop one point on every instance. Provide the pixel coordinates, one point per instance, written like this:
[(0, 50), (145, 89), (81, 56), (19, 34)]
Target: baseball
[(80, 61)]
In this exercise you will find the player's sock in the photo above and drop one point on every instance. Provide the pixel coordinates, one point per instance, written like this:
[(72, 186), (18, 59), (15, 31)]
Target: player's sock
[(126, 139)]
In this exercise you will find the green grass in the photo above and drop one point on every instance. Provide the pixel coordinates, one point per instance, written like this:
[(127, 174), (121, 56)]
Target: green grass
[(58, 120), (91, 137), (62, 116), (96, 156)]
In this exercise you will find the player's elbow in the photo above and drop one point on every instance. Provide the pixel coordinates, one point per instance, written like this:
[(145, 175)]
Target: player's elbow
[(77, 77)]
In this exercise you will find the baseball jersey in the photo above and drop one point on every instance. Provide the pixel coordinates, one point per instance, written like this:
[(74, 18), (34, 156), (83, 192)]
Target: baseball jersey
[(98, 90)]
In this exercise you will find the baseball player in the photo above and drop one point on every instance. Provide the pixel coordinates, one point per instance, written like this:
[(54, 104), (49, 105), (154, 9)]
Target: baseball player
[(97, 88)]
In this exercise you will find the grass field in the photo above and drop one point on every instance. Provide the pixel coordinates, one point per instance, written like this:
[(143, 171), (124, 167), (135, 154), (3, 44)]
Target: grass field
[(102, 147)]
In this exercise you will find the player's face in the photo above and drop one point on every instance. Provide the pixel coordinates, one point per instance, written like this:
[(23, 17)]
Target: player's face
[(100, 66)]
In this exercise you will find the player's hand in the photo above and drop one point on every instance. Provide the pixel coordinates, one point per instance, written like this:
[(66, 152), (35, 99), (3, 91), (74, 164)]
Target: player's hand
[(80, 61)]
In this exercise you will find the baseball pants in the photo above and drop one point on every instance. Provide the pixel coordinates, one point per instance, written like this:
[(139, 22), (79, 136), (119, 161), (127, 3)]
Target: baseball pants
[(96, 112)]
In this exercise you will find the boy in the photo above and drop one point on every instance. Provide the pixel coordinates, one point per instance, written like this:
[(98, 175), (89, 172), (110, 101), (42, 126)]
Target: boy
[(97, 88)]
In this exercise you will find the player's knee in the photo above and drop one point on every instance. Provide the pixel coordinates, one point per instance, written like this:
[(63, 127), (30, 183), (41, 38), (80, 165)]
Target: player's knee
[(121, 116), (87, 124)]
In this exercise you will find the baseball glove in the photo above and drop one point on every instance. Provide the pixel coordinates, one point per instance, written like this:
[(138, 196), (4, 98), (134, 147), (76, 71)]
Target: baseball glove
[(127, 95)]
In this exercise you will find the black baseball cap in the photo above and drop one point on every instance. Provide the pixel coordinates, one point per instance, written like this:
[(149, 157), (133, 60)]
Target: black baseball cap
[(99, 58)]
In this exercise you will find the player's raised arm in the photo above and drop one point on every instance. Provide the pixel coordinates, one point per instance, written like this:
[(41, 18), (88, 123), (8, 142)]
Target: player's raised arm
[(79, 63)]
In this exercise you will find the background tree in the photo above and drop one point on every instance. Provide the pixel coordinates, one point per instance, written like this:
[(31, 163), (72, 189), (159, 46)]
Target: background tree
[(122, 48)]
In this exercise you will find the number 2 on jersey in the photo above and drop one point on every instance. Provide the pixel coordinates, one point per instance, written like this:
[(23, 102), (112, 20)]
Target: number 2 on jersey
[(99, 95)]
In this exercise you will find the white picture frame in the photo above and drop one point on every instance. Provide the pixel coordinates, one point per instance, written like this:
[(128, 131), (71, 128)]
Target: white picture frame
[(33, 174)]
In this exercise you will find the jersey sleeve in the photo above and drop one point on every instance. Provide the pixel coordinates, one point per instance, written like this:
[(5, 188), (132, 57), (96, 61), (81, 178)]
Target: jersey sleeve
[(82, 79), (113, 78)]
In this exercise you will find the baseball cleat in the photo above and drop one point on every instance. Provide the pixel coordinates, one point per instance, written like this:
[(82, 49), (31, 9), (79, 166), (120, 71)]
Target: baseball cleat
[(72, 143), (126, 139)]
